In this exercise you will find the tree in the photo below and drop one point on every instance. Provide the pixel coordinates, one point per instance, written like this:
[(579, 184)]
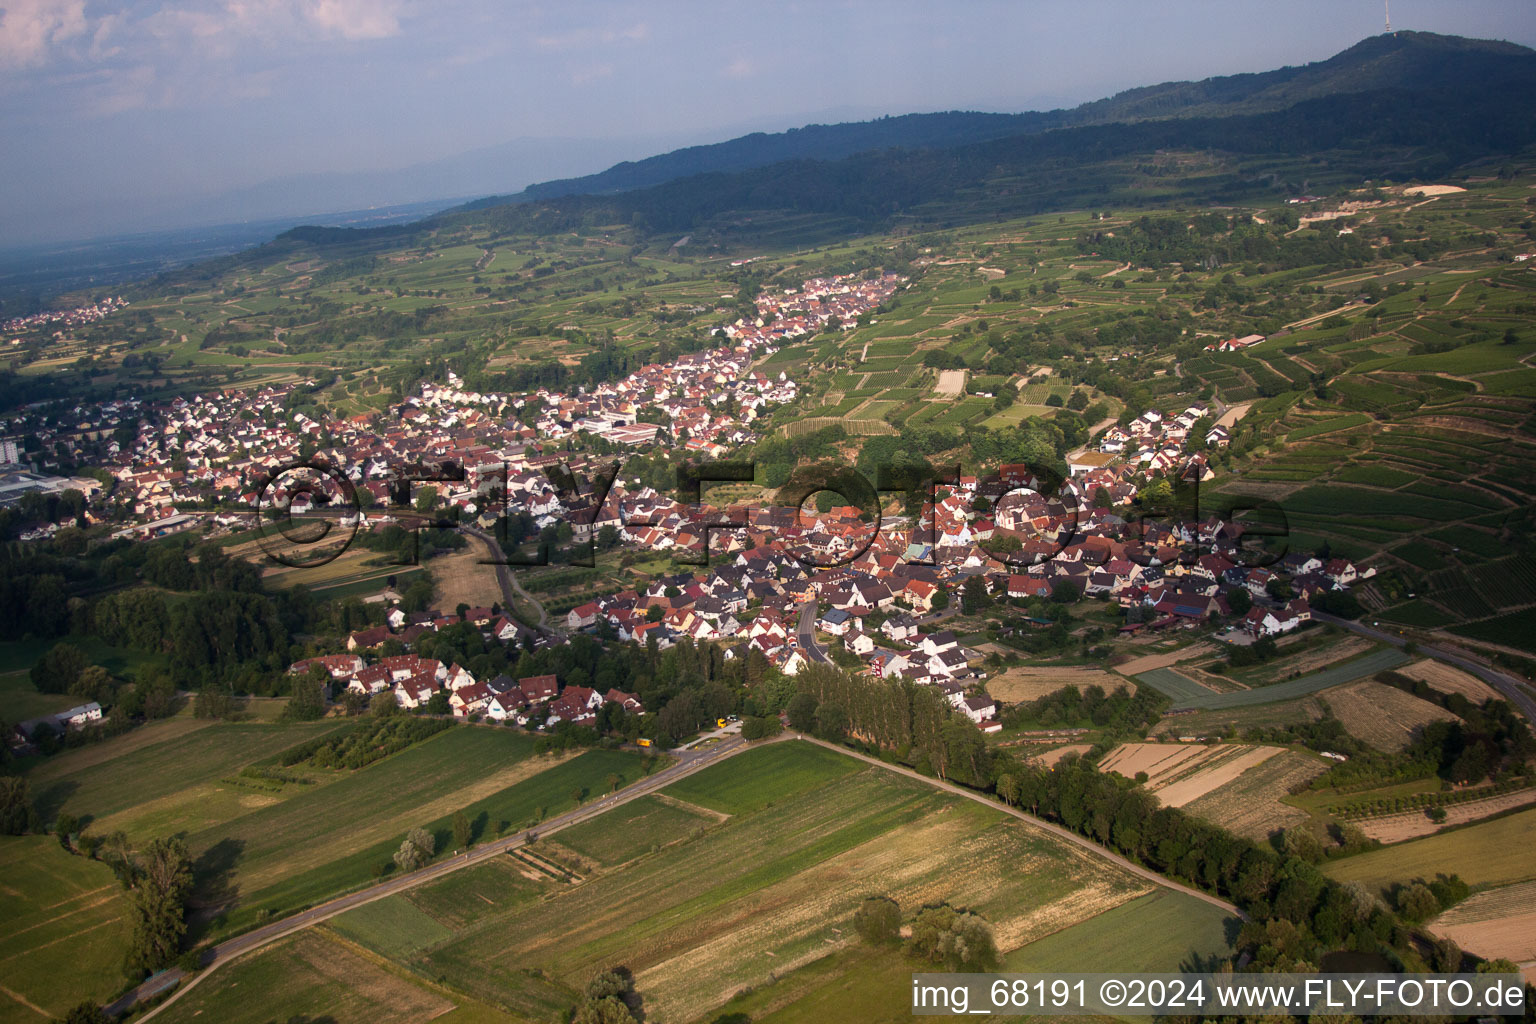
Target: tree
[(1416, 903), (1239, 600), (878, 921), (960, 940), (607, 999), (17, 815), (831, 722), (84, 1013), (408, 857), (462, 833), (802, 712), (308, 700), (59, 669), (162, 878), (438, 704)]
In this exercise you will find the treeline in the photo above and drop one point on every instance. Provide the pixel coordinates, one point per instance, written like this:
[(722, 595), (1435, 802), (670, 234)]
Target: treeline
[(1072, 707)]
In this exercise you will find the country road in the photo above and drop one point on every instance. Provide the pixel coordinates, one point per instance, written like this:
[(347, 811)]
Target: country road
[(688, 762)]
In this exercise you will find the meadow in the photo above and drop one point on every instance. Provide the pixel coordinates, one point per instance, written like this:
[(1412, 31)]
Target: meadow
[(66, 930)]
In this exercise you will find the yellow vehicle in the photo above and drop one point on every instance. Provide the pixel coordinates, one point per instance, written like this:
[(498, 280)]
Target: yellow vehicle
[(643, 742), (719, 723)]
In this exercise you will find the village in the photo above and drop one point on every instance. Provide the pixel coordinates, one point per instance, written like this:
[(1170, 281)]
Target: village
[(878, 585)]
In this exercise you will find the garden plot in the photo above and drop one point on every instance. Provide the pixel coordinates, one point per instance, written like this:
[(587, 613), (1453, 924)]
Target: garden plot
[(1178, 774), (1383, 716)]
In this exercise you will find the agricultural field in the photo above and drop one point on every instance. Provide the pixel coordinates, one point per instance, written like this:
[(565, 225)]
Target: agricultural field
[(1383, 716), (1448, 679), (1184, 690), (1496, 923), (316, 976), (163, 777), (1180, 773), (66, 917), (260, 846), (1397, 828), (1023, 683), (1489, 853), (760, 902), (1253, 804)]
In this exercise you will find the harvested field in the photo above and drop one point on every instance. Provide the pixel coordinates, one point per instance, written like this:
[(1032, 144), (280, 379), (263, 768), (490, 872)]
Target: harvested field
[(1180, 773), (1250, 805), (1447, 679), (1381, 715), (461, 579), (1148, 662), (1027, 683), (1050, 758), (1395, 828), (951, 382), (1498, 923)]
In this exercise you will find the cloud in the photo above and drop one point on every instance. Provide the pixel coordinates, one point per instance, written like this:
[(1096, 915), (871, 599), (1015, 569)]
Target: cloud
[(355, 19), (741, 67), (31, 29), (588, 37), (590, 73)]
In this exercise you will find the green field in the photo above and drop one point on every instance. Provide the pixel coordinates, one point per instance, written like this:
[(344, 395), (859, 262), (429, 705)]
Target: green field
[(66, 930), (758, 897), (315, 978), (1161, 931), (627, 832), (779, 771), (161, 777), (1488, 853), (1356, 668)]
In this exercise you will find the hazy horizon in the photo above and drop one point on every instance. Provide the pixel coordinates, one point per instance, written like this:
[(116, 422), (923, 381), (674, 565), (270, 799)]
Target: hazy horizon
[(177, 113)]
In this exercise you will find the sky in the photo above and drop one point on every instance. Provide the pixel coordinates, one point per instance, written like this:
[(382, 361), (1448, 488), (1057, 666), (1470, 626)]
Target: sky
[(136, 114)]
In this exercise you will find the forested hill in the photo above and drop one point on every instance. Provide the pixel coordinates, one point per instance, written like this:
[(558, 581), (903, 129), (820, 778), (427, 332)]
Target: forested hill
[(1419, 61), (1455, 102), (813, 142), (1416, 61)]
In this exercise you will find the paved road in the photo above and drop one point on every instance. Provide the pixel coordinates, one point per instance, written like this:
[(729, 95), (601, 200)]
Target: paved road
[(806, 632), (1055, 830), (1505, 683), (687, 762)]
